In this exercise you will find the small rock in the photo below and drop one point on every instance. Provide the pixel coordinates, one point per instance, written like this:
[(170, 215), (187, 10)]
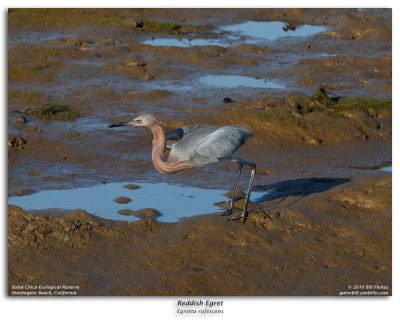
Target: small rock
[(21, 120), (139, 24), (146, 213), (148, 77), (312, 140), (132, 186), (122, 200), (228, 100), (372, 113), (16, 142), (363, 136), (134, 63), (380, 267)]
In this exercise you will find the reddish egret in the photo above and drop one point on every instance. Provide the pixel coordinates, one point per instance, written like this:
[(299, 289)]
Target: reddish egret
[(198, 146)]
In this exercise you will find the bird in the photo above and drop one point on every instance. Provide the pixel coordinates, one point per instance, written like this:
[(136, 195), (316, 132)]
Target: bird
[(196, 146)]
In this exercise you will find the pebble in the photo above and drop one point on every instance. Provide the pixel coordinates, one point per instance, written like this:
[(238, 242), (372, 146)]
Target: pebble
[(16, 142), (131, 186), (148, 77), (134, 63), (146, 213), (122, 200), (139, 24), (21, 120)]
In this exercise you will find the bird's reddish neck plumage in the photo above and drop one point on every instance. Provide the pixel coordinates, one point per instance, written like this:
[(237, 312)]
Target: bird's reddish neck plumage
[(161, 165)]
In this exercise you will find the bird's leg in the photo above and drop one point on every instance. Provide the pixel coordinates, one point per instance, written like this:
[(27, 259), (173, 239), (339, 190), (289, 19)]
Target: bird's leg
[(230, 208), (244, 213)]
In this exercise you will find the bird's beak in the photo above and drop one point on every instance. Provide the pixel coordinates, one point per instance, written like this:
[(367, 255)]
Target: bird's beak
[(131, 123)]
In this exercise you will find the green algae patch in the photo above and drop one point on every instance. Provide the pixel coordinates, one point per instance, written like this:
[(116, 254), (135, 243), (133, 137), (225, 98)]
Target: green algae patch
[(333, 104), (363, 104), (320, 101), (173, 28), (156, 26), (53, 112)]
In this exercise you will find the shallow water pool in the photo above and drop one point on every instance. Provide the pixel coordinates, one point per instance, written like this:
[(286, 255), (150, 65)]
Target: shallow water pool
[(271, 30), (182, 43), (252, 32), (173, 201), (386, 169), (234, 81)]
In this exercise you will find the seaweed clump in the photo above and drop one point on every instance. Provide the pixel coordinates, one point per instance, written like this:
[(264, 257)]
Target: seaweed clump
[(52, 112), (324, 101), (168, 27), (320, 101)]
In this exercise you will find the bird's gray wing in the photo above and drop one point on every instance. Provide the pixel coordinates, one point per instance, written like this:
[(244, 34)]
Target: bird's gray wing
[(223, 142), (186, 147), (175, 134), (179, 133)]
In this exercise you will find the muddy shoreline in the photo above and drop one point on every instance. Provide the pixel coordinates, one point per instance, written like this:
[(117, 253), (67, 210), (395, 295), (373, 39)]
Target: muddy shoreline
[(320, 137), (305, 245)]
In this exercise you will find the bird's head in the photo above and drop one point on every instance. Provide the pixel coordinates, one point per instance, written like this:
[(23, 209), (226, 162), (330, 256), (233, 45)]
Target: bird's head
[(145, 120)]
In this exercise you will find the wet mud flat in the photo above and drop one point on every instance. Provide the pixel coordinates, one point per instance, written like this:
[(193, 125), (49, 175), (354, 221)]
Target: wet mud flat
[(316, 244), (319, 106)]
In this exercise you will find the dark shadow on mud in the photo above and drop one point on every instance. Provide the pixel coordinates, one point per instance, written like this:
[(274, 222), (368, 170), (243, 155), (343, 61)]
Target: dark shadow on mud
[(296, 188)]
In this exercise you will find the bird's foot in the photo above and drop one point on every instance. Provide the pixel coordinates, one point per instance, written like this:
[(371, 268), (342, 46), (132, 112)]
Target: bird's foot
[(242, 216), (227, 212)]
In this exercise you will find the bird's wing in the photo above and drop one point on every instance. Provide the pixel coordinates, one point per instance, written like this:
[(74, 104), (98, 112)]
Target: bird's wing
[(175, 134), (185, 148), (198, 128), (223, 142), (179, 133)]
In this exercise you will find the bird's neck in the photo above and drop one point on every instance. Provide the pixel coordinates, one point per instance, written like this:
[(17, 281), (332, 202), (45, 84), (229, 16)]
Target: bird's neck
[(159, 140), (160, 163)]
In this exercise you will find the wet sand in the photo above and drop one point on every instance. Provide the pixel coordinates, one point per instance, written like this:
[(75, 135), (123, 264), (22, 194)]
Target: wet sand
[(325, 220)]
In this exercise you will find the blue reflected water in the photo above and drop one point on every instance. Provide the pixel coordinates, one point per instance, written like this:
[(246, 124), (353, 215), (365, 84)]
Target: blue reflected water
[(386, 169), (38, 37), (174, 202), (227, 81), (272, 30), (251, 32), (182, 43)]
